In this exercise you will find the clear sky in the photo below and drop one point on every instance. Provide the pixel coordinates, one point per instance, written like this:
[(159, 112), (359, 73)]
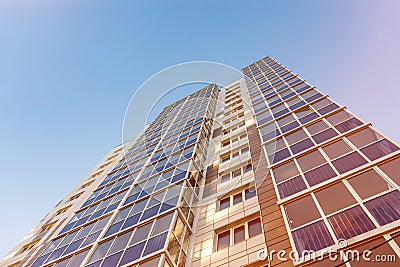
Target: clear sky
[(68, 69)]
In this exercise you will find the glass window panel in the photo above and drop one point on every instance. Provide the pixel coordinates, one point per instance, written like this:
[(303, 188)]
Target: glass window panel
[(296, 136), (254, 227), (311, 160), (271, 127), (73, 246), (296, 215), (224, 203), (350, 223), (223, 240), (112, 260), (275, 145), (84, 231), (114, 228), (63, 263), (278, 156), (141, 233), (153, 262), (285, 120), (301, 146), (225, 177), (162, 224), (101, 251), (368, 184), (139, 207), (303, 112), (239, 234), (334, 198), (339, 117), (78, 258), (236, 173), (317, 127), (250, 192), (120, 242), (364, 137), (247, 168), (392, 169), (122, 214), (337, 149), (132, 253), (179, 228), (386, 208), (237, 198), (291, 186), (319, 174), (379, 149), (322, 103), (131, 221), (325, 135), (349, 162), (312, 237), (289, 126), (348, 125), (156, 243), (285, 171), (91, 238)]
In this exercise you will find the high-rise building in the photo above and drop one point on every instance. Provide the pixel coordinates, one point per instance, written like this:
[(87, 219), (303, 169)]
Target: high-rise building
[(265, 166)]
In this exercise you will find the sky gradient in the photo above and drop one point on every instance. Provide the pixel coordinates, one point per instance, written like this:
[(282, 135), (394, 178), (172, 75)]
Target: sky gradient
[(69, 68)]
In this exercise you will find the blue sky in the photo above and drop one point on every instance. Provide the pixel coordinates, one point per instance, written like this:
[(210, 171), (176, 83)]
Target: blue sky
[(69, 68)]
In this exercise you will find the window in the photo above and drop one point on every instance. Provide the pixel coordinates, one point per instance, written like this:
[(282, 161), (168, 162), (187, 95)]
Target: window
[(362, 184), (75, 196), (392, 169), (319, 174), (248, 168), (326, 196), (224, 203), (314, 237), (343, 121), (237, 198), (29, 246), (321, 132), (285, 171), (349, 162), (337, 149), (296, 215), (244, 150), (254, 227), (239, 233), (61, 211), (350, 223), (385, 209), (250, 192), (364, 137), (225, 177), (48, 226), (311, 160), (225, 158), (379, 149), (223, 240), (236, 173), (291, 186)]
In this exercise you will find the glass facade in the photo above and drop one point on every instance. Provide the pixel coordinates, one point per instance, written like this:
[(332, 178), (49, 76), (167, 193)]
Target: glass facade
[(265, 161)]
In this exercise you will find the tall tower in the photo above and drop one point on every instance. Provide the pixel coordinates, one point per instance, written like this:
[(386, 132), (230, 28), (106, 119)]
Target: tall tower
[(265, 166)]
